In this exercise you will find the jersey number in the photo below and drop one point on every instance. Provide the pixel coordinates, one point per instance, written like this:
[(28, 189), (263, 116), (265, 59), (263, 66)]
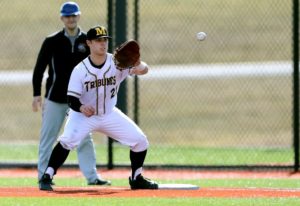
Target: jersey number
[(113, 93)]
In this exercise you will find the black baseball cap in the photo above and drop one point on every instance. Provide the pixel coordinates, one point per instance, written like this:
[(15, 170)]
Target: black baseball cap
[(97, 32)]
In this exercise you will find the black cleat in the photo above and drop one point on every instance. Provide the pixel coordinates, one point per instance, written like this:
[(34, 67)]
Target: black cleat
[(52, 182), (100, 182), (142, 183), (45, 183)]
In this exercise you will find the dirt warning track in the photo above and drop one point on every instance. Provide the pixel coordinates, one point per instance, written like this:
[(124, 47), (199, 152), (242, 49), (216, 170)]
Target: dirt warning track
[(126, 192)]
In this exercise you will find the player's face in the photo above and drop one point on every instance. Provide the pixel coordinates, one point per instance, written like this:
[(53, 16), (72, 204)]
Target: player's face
[(70, 22), (98, 46)]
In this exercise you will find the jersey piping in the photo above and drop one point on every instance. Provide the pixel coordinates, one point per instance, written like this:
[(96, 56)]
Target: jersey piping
[(104, 103), (97, 96)]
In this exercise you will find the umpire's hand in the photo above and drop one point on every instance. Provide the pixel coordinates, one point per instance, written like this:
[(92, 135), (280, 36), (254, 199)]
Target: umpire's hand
[(36, 103)]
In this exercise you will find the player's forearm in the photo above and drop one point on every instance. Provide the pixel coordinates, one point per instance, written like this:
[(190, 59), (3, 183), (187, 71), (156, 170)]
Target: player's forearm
[(74, 103)]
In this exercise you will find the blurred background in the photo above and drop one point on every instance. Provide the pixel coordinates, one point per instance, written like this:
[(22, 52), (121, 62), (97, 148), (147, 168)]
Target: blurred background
[(225, 101)]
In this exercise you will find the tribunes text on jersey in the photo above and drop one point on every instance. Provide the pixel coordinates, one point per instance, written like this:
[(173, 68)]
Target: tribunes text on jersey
[(100, 82)]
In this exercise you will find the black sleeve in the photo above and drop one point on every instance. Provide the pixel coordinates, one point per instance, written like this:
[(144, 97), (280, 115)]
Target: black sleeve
[(74, 103), (40, 67)]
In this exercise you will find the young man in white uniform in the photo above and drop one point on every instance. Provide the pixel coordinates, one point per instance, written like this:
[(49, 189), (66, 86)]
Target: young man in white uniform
[(92, 97)]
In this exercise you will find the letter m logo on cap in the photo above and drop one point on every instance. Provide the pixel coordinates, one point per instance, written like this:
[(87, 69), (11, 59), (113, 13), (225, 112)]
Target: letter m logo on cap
[(100, 31)]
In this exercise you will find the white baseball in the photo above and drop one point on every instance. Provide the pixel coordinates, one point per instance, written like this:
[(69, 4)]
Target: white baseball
[(141, 66), (201, 36)]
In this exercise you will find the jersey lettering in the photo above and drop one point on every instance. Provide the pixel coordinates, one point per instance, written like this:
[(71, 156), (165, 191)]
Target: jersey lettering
[(100, 82)]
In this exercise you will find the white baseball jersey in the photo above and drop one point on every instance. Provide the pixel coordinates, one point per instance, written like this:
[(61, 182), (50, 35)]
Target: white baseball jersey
[(97, 87)]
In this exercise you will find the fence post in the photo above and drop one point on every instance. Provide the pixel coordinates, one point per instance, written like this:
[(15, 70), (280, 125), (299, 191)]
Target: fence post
[(296, 82), (136, 79), (120, 36), (110, 26), (117, 28)]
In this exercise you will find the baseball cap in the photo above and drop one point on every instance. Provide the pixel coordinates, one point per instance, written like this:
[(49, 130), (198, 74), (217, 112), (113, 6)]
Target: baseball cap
[(69, 8), (97, 32)]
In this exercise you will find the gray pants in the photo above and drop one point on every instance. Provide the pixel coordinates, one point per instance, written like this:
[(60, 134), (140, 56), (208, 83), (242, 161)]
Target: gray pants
[(53, 117)]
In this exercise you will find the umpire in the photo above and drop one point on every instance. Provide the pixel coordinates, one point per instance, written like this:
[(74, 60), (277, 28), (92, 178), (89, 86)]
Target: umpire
[(61, 52)]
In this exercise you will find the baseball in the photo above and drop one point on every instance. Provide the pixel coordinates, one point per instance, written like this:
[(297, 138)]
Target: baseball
[(141, 66), (201, 36)]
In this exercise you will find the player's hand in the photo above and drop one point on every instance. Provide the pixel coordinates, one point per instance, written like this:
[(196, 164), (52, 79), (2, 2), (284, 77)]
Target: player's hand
[(87, 110), (36, 103)]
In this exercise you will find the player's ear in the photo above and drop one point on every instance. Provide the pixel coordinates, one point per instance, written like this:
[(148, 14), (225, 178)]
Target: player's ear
[(88, 42)]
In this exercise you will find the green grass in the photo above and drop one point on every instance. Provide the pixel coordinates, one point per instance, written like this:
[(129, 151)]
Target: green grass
[(149, 201), (249, 125), (208, 113), (203, 183), (218, 124), (177, 155), (242, 183)]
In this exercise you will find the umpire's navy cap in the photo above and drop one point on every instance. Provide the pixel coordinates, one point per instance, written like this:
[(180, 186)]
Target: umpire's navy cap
[(97, 32), (70, 8)]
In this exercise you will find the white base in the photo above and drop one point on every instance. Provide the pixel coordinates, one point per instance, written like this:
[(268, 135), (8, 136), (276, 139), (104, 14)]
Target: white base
[(177, 187)]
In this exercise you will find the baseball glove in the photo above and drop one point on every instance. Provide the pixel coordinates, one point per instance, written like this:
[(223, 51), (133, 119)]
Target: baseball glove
[(127, 55)]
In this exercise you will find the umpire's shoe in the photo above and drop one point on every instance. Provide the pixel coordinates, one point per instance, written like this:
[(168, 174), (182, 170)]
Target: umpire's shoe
[(100, 182), (142, 183), (45, 183)]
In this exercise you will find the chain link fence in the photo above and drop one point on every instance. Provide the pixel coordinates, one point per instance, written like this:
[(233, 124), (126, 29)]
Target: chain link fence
[(223, 101)]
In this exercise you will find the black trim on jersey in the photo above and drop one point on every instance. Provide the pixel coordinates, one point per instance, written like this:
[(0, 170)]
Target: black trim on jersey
[(104, 98), (75, 94), (97, 95), (74, 103), (94, 65)]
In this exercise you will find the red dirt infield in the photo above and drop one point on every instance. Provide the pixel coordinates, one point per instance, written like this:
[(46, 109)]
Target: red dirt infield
[(126, 192), (113, 191)]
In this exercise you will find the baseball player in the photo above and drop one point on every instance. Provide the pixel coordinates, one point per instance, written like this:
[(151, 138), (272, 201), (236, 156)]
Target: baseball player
[(92, 97), (61, 52)]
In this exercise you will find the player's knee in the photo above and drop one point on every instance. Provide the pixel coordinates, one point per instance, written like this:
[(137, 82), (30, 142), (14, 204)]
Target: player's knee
[(69, 145), (141, 145)]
